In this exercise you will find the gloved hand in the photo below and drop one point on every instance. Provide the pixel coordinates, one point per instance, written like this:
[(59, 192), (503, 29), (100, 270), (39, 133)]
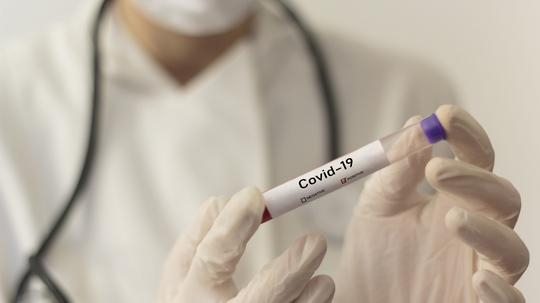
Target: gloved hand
[(200, 267), (457, 245)]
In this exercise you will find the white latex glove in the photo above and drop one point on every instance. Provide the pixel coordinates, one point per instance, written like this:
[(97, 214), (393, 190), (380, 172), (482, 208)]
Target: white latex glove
[(457, 245), (201, 265)]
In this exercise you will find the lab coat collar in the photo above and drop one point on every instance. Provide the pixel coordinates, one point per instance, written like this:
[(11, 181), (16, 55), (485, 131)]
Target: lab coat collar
[(128, 65), (122, 56), (125, 61)]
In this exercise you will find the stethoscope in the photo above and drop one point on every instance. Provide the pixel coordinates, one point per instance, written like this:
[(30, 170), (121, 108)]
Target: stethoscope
[(35, 261)]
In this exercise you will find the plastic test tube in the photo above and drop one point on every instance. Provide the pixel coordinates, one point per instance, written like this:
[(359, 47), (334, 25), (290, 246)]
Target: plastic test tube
[(351, 167)]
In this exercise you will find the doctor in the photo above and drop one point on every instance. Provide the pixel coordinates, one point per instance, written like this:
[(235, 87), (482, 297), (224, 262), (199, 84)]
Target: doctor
[(201, 97)]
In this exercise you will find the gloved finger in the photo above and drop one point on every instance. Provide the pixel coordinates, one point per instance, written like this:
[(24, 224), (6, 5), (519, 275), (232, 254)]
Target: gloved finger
[(468, 140), (386, 192), (490, 288), (475, 189), (320, 289), (180, 258), (284, 278), (219, 252), (495, 243)]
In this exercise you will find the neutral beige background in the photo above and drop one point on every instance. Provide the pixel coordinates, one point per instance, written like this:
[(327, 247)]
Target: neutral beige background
[(490, 48)]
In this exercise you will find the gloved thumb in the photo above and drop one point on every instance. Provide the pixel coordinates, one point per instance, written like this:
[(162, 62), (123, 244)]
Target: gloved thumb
[(394, 189)]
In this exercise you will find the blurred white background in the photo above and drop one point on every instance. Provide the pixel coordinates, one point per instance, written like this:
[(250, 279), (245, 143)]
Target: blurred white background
[(490, 48)]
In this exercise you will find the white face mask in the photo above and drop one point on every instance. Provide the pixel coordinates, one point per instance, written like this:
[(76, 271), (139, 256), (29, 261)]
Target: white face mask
[(196, 17)]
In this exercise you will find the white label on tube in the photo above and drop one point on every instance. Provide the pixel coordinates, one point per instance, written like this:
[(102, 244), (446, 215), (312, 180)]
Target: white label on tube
[(325, 179)]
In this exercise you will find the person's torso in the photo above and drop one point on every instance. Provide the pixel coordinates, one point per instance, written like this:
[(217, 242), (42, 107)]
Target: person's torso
[(257, 119)]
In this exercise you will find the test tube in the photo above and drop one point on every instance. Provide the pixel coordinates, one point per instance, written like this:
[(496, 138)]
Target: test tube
[(351, 167)]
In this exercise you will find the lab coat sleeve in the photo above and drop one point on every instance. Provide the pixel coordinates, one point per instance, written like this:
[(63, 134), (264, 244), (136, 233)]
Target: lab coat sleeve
[(3, 294), (5, 245), (3, 252), (43, 89), (12, 121)]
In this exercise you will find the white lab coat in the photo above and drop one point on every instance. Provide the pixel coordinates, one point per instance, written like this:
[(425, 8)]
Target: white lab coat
[(255, 117)]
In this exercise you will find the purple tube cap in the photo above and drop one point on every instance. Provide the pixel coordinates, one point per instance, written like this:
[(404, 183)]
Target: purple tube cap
[(433, 129)]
